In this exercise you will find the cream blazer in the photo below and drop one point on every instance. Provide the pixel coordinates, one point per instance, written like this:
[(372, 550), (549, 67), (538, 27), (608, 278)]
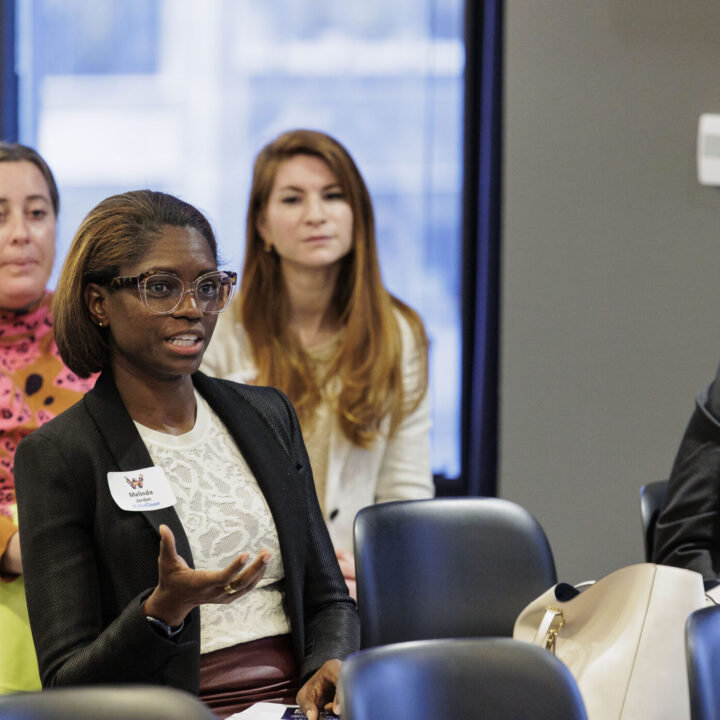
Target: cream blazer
[(391, 469)]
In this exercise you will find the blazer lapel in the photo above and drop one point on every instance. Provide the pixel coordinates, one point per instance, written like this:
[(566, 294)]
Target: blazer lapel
[(129, 452), (274, 471)]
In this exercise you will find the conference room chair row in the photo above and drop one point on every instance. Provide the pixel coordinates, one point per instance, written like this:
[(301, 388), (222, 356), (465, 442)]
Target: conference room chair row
[(440, 584)]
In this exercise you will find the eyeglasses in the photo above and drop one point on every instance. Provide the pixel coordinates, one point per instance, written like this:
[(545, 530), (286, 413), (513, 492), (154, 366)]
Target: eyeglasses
[(162, 293)]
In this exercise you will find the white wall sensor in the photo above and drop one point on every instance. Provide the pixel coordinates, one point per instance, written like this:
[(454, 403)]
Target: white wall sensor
[(708, 149)]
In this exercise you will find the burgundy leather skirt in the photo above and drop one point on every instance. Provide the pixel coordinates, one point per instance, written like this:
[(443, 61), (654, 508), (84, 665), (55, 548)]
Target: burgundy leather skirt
[(234, 678)]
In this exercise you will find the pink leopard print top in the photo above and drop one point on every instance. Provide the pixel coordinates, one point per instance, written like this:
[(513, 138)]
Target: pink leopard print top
[(35, 386)]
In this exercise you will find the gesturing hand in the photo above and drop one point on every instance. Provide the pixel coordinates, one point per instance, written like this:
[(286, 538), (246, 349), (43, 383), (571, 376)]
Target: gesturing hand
[(180, 588)]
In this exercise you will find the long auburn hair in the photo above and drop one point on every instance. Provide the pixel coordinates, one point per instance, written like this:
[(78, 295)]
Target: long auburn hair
[(368, 360)]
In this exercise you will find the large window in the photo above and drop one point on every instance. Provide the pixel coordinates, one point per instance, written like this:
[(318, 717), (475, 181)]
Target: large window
[(180, 95)]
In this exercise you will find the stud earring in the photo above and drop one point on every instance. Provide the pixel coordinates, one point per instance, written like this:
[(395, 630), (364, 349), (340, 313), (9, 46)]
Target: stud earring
[(100, 323)]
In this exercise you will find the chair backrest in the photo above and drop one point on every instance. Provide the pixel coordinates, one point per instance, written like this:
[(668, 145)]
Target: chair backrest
[(496, 678), (447, 567), (652, 497), (105, 702), (702, 638)]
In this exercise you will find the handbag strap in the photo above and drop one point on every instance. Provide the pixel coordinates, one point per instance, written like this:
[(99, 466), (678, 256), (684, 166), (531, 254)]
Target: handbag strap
[(549, 627)]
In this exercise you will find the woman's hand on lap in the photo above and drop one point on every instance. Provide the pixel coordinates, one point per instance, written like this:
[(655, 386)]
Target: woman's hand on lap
[(347, 567), (11, 562)]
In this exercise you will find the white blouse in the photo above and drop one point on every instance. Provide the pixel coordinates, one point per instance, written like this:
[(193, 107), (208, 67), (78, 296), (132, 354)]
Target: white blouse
[(224, 513)]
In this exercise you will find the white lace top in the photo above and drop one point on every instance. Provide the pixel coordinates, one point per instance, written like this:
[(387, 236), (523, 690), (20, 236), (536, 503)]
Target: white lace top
[(224, 513)]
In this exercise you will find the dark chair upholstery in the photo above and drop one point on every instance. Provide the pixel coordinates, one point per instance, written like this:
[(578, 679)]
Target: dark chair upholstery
[(494, 678), (447, 567), (702, 637), (652, 497), (105, 702)]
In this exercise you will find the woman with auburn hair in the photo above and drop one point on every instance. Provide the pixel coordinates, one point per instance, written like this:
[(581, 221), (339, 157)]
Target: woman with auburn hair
[(35, 384), (314, 319), (170, 529)]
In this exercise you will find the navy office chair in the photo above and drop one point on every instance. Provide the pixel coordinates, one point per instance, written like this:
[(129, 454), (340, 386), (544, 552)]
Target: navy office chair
[(105, 702), (447, 567), (494, 678), (652, 498), (702, 638)]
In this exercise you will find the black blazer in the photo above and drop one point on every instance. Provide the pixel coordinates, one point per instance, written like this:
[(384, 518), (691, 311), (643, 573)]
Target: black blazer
[(687, 532), (88, 564)]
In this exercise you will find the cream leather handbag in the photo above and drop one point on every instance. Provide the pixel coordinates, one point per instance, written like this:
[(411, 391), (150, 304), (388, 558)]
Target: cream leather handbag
[(623, 639)]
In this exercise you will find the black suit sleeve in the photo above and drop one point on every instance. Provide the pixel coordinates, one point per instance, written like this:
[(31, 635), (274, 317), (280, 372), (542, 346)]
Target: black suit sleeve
[(687, 533)]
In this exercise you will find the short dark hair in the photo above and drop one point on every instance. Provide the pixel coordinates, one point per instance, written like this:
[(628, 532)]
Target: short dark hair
[(120, 229), (15, 152)]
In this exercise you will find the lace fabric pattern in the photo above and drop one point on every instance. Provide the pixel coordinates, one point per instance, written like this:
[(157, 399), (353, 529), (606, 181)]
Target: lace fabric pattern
[(224, 513)]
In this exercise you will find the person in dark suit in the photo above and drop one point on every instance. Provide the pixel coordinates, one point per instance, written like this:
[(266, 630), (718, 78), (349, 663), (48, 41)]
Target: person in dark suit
[(687, 532), (170, 529)]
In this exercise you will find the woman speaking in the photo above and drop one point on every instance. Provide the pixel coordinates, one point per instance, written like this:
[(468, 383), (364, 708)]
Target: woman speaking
[(170, 528)]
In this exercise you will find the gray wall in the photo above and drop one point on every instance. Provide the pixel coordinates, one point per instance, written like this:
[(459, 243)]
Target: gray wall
[(611, 261)]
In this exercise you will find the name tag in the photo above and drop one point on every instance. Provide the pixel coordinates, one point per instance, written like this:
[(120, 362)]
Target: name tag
[(138, 490)]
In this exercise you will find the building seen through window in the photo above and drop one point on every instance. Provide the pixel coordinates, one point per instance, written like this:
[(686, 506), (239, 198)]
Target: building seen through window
[(179, 96)]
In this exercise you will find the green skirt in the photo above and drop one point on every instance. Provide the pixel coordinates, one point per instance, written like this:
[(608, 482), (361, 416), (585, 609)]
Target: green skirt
[(18, 664)]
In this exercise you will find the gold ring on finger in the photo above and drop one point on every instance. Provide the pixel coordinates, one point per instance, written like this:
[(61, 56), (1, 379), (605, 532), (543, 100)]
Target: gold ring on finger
[(230, 590)]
